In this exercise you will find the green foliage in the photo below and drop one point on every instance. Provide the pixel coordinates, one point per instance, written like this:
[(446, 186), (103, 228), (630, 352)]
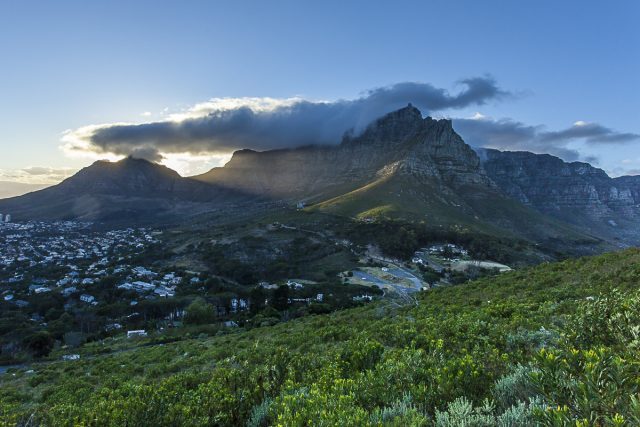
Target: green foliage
[(524, 348), (199, 312)]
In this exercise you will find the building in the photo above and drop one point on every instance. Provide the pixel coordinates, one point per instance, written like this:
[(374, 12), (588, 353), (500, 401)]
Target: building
[(71, 357), (89, 299), (7, 218), (136, 333)]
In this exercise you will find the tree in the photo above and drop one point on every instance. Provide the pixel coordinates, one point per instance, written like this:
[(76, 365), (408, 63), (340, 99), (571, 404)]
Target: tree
[(257, 297), (40, 344), (199, 312), (281, 298)]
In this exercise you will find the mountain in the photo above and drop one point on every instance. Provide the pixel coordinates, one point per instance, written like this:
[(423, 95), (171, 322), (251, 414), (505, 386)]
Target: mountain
[(575, 192), (129, 190), (389, 145), (14, 189), (403, 166)]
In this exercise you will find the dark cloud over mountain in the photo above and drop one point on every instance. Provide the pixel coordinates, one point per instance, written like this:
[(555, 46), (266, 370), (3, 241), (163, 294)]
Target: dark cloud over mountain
[(229, 124), (507, 134)]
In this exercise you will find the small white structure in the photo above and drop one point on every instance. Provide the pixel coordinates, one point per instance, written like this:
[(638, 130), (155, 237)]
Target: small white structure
[(136, 333), (294, 284), (7, 218), (87, 298), (71, 357)]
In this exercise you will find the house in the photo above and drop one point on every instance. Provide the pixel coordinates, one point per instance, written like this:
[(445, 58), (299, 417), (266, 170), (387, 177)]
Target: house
[(230, 324), (112, 326), (267, 285), (140, 286), (319, 297), (63, 282), (143, 272), (294, 285), (164, 292), (136, 333), (71, 357), (89, 299)]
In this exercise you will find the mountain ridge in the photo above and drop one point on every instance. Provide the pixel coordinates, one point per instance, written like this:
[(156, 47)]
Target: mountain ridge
[(575, 192), (401, 166)]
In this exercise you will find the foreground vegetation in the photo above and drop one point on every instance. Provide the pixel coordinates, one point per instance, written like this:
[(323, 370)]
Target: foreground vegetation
[(558, 344)]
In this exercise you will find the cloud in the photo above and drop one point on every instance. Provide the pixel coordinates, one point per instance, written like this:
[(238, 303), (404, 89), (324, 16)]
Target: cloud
[(37, 175), (226, 124), (508, 134), (593, 133)]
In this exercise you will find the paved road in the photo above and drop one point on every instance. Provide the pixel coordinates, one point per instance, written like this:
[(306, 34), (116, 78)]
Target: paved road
[(369, 277), (399, 272)]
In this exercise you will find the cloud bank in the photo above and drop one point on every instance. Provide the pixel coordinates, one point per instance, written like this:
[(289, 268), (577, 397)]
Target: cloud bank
[(37, 175), (213, 129), (226, 124), (508, 134)]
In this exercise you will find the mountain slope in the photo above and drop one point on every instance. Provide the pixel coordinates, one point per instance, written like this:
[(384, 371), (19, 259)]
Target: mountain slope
[(393, 141), (573, 192), (401, 167), (129, 190), (380, 364)]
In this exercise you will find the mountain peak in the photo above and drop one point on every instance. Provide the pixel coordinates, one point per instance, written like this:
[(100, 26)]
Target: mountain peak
[(409, 115)]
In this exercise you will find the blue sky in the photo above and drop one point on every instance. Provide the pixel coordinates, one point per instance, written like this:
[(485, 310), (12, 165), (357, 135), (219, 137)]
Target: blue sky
[(70, 64)]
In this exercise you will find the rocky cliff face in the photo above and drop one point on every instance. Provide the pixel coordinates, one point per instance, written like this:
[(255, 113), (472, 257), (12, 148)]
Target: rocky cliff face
[(401, 142), (576, 192)]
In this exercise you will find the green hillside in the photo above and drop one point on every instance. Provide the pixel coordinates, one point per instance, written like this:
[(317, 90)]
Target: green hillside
[(556, 344), (404, 198)]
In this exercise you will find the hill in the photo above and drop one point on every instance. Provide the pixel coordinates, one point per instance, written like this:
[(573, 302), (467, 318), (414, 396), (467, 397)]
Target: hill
[(552, 345), (129, 191)]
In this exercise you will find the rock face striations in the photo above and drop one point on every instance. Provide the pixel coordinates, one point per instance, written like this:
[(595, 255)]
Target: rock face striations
[(574, 192), (401, 142)]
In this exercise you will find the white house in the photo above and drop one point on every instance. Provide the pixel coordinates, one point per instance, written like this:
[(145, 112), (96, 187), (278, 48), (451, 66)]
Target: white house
[(89, 299), (136, 333)]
